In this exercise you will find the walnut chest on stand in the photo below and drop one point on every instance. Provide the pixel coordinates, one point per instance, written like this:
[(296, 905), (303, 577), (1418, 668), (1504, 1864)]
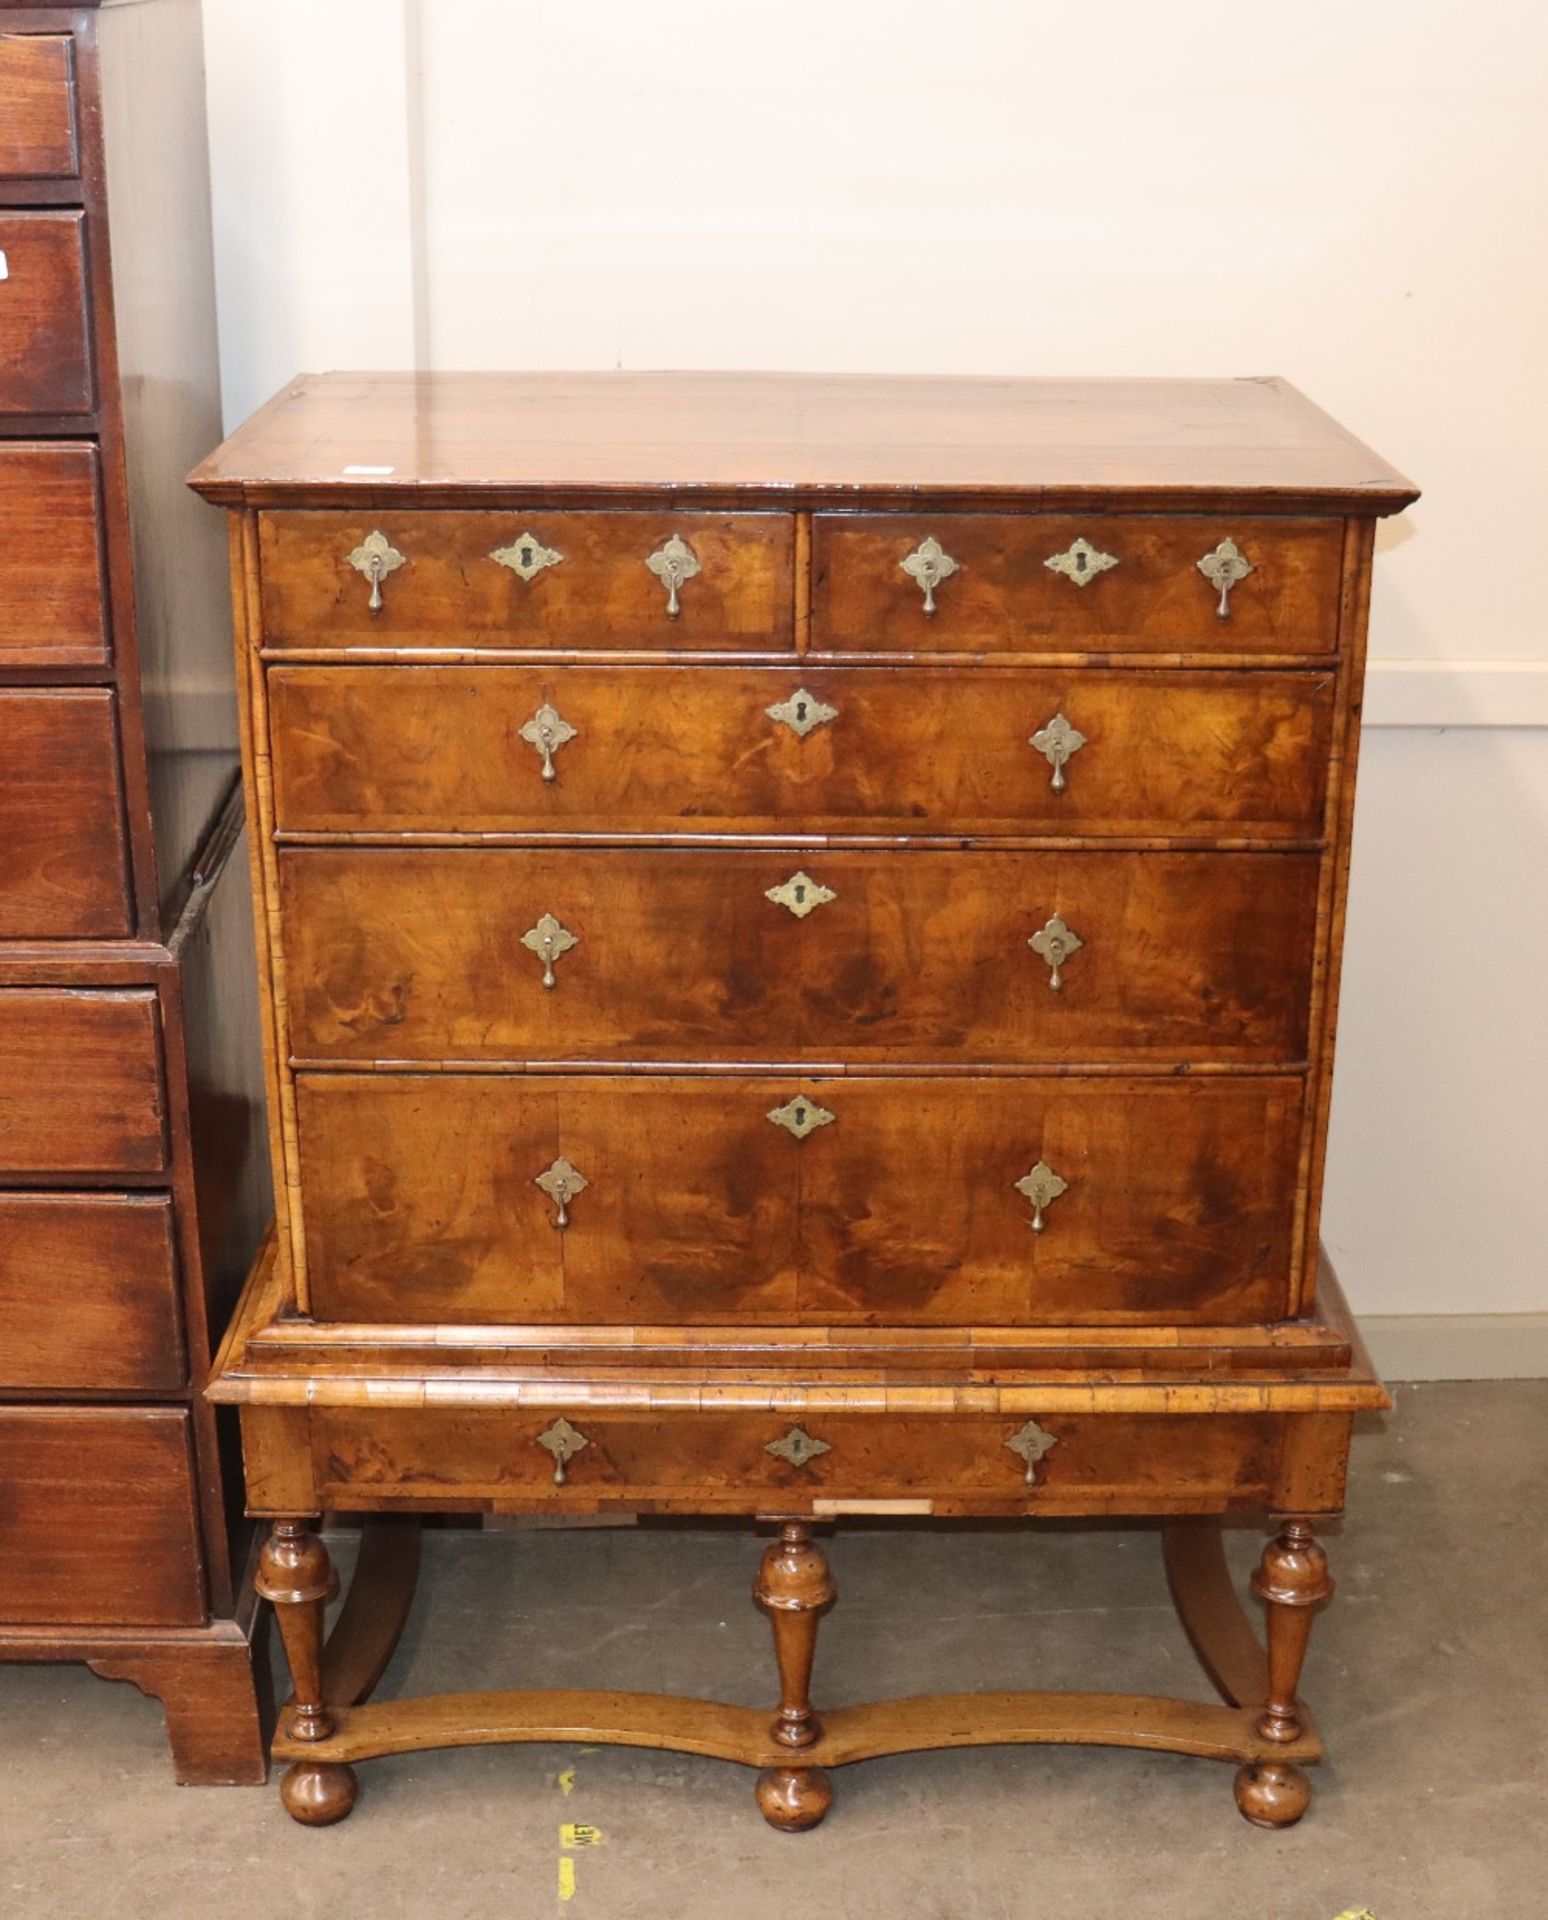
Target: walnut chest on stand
[(800, 925)]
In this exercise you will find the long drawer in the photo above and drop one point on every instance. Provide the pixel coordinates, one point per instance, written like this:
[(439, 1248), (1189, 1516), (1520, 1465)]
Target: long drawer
[(81, 1088), (45, 361), (88, 1293), (52, 610), (37, 106), (656, 581), (406, 749), (64, 863), (98, 1517), (1051, 1200), (1029, 583), (712, 1461), (434, 954)]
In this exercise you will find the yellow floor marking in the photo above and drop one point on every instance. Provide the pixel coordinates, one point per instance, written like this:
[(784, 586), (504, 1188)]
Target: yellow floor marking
[(566, 1781), (1355, 1913), (579, 1834), (566, 1877)]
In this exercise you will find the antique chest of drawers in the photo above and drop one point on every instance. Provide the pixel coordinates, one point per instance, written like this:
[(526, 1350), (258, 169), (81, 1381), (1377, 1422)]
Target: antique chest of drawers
[(801, 924), (133, 1183)]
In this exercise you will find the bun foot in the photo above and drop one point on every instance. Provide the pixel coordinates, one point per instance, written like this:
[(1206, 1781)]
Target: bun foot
[(318, 1796), (1272, 1795), (794, 1798)]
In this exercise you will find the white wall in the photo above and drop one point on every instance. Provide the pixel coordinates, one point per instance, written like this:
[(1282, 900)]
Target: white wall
[(1348, 194)]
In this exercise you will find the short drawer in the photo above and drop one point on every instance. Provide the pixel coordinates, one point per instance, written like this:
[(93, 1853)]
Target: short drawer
[(37, 106), (720, 1199), (745, 1462), (98, 1519), (80, 1082), (45, 361), (438, 954), (725, 749), (1045, 583), (88, 1293), (52, 611), (455, 580), (64, 864)]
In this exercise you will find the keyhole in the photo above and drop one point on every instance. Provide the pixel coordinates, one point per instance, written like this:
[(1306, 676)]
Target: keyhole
[(800, 1116), (800, 894), (1080, 563), (800, 710), (526, 556)]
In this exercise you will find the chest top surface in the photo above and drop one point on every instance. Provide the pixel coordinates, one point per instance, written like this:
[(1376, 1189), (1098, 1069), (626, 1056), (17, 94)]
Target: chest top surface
[(798, 437)]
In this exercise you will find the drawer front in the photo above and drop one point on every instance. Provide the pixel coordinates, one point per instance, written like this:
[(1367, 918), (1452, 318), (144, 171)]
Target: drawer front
[(64, 865), (97, 1518), (918, 751), (52, 611), (436, 954), (421, 1200), (465, 580), (88, 1293), (80, 1082), (37, 106), (45, 363), (713, 1461), (1122, 583)]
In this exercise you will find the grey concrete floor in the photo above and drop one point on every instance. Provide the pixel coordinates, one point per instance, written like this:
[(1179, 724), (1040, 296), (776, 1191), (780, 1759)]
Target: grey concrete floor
[(1428, 1676)]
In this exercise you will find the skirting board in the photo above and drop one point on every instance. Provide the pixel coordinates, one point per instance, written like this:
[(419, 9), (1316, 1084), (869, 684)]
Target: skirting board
[(1458, 1346)]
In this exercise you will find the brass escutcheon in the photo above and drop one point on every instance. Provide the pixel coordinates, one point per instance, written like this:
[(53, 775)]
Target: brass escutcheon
[(801, 894), (526, 556), (801, 1115), (1081, 562), (798, 1447)]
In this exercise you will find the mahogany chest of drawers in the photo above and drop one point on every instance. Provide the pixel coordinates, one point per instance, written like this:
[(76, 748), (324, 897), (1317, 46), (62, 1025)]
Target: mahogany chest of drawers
[(801, 924), (133, 1187)]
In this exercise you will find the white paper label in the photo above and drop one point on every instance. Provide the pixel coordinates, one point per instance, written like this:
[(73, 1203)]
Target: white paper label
[(374, 472)]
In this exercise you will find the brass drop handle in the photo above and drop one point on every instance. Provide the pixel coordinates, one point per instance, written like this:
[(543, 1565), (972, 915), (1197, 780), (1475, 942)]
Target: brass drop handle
[(563, 1441), (1223, 568), (1032, 1442), (1042, 1186), (673, 563), (1054, 943), (546, 732), (548, 939), (1058, 742), (376, 557), (929, 564), (561, 1182)]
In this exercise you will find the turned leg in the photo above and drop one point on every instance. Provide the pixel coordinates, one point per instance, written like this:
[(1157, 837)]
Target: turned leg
[(795, 1589), (296, 1576), (1293, 1582)]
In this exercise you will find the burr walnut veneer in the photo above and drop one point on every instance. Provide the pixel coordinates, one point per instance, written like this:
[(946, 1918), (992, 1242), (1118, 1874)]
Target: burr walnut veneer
[(132, 1176), (801, 923)]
